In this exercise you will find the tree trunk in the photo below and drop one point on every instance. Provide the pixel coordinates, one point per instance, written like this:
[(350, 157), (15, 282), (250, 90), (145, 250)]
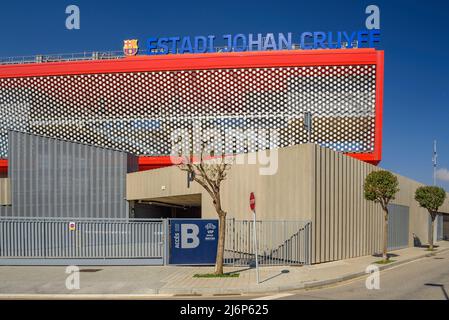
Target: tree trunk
[(385, 246), (432, 230), (221, 243)]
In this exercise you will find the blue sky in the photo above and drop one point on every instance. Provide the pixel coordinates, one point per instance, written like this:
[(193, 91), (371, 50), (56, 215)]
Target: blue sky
[(414, 37)]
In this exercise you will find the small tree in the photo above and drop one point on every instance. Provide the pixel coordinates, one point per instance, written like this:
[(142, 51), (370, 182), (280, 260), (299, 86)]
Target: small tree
[(430, 198), (381, 187), (209, 174)]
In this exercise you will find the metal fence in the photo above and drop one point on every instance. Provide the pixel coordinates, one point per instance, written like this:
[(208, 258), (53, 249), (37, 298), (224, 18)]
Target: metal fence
[(64, 241), (279, 242), (86, 241), (439, 222)]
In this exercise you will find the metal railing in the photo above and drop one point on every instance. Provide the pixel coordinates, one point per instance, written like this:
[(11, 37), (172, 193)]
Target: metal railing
[(280, 242), (41, 58), (109, 55), (59, 238)]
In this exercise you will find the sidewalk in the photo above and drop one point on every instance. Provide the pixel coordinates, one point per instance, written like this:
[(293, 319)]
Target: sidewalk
[(138, 282)]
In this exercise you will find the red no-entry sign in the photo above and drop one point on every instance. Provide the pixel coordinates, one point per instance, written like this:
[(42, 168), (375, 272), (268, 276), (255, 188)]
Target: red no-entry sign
[(252, 201)]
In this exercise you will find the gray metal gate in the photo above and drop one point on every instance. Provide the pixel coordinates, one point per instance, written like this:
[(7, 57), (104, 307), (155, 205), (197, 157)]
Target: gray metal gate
[(439, 222), (398, 226), (279, 242), (445, 227), (55, 241)]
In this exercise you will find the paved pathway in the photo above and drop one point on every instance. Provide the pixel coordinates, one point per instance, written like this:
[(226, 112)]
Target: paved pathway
[(142, 282)]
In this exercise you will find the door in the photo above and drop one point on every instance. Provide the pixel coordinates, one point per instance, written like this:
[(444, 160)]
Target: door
[(398, 227), (445, 227)]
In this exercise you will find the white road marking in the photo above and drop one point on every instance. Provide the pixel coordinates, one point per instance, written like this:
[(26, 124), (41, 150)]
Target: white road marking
[(274, 297)]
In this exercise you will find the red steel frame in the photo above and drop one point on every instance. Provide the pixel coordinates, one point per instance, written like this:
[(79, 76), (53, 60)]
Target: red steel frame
[(260, 59)]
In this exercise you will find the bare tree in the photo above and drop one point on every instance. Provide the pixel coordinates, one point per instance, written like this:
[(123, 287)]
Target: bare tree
[(210, 173)]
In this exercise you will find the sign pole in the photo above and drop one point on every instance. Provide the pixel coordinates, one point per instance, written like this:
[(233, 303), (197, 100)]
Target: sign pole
[(252, 206), (255, 247)]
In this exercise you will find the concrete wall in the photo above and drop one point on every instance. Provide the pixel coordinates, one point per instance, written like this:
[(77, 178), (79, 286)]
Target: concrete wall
[(5, 198), (5, 192), (419, 217), (312, 183), (286, 195), (345, 224)]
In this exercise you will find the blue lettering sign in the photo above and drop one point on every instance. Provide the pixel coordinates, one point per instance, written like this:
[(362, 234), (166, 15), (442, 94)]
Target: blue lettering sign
[(285, 43), (200, 45), (162, 43), (186, 45), (304, 41), (255, 42), (239, 42), (258, 42)]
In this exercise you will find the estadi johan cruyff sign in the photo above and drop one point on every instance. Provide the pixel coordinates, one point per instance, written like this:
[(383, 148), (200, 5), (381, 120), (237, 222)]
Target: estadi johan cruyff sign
[(367, 37)]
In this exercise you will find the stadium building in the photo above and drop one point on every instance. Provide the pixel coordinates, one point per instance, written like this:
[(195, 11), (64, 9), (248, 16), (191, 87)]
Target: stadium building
[(91, 138)]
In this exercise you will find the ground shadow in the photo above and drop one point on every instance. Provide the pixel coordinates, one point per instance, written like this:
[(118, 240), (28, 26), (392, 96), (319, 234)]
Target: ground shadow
[(275, 276), (418, 244), (440, 286), (389, 255), (238, 271), (426, 246)]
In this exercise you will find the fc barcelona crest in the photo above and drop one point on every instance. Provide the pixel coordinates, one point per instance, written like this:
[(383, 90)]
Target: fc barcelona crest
[(130, 47)]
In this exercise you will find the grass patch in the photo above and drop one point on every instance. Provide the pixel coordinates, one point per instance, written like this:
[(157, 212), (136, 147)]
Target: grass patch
[(385, 261), (213, 275), (431, 250)]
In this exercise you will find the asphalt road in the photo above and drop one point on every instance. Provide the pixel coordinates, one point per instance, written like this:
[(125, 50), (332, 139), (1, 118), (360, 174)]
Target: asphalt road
[(426, 278)]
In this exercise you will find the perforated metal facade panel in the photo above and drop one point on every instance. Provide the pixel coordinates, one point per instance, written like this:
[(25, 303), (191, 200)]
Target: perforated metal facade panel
[(137, 112), (55, 178)]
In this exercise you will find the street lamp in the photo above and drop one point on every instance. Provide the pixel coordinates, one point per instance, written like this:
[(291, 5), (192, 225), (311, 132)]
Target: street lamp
[(434, 161), (308, 125)]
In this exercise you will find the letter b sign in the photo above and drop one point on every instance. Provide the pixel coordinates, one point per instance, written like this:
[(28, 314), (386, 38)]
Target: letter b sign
[(193, 241), (189, 236)]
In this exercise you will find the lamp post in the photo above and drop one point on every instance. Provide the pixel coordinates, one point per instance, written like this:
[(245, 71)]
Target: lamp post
[(434, 161), (308, 125)]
